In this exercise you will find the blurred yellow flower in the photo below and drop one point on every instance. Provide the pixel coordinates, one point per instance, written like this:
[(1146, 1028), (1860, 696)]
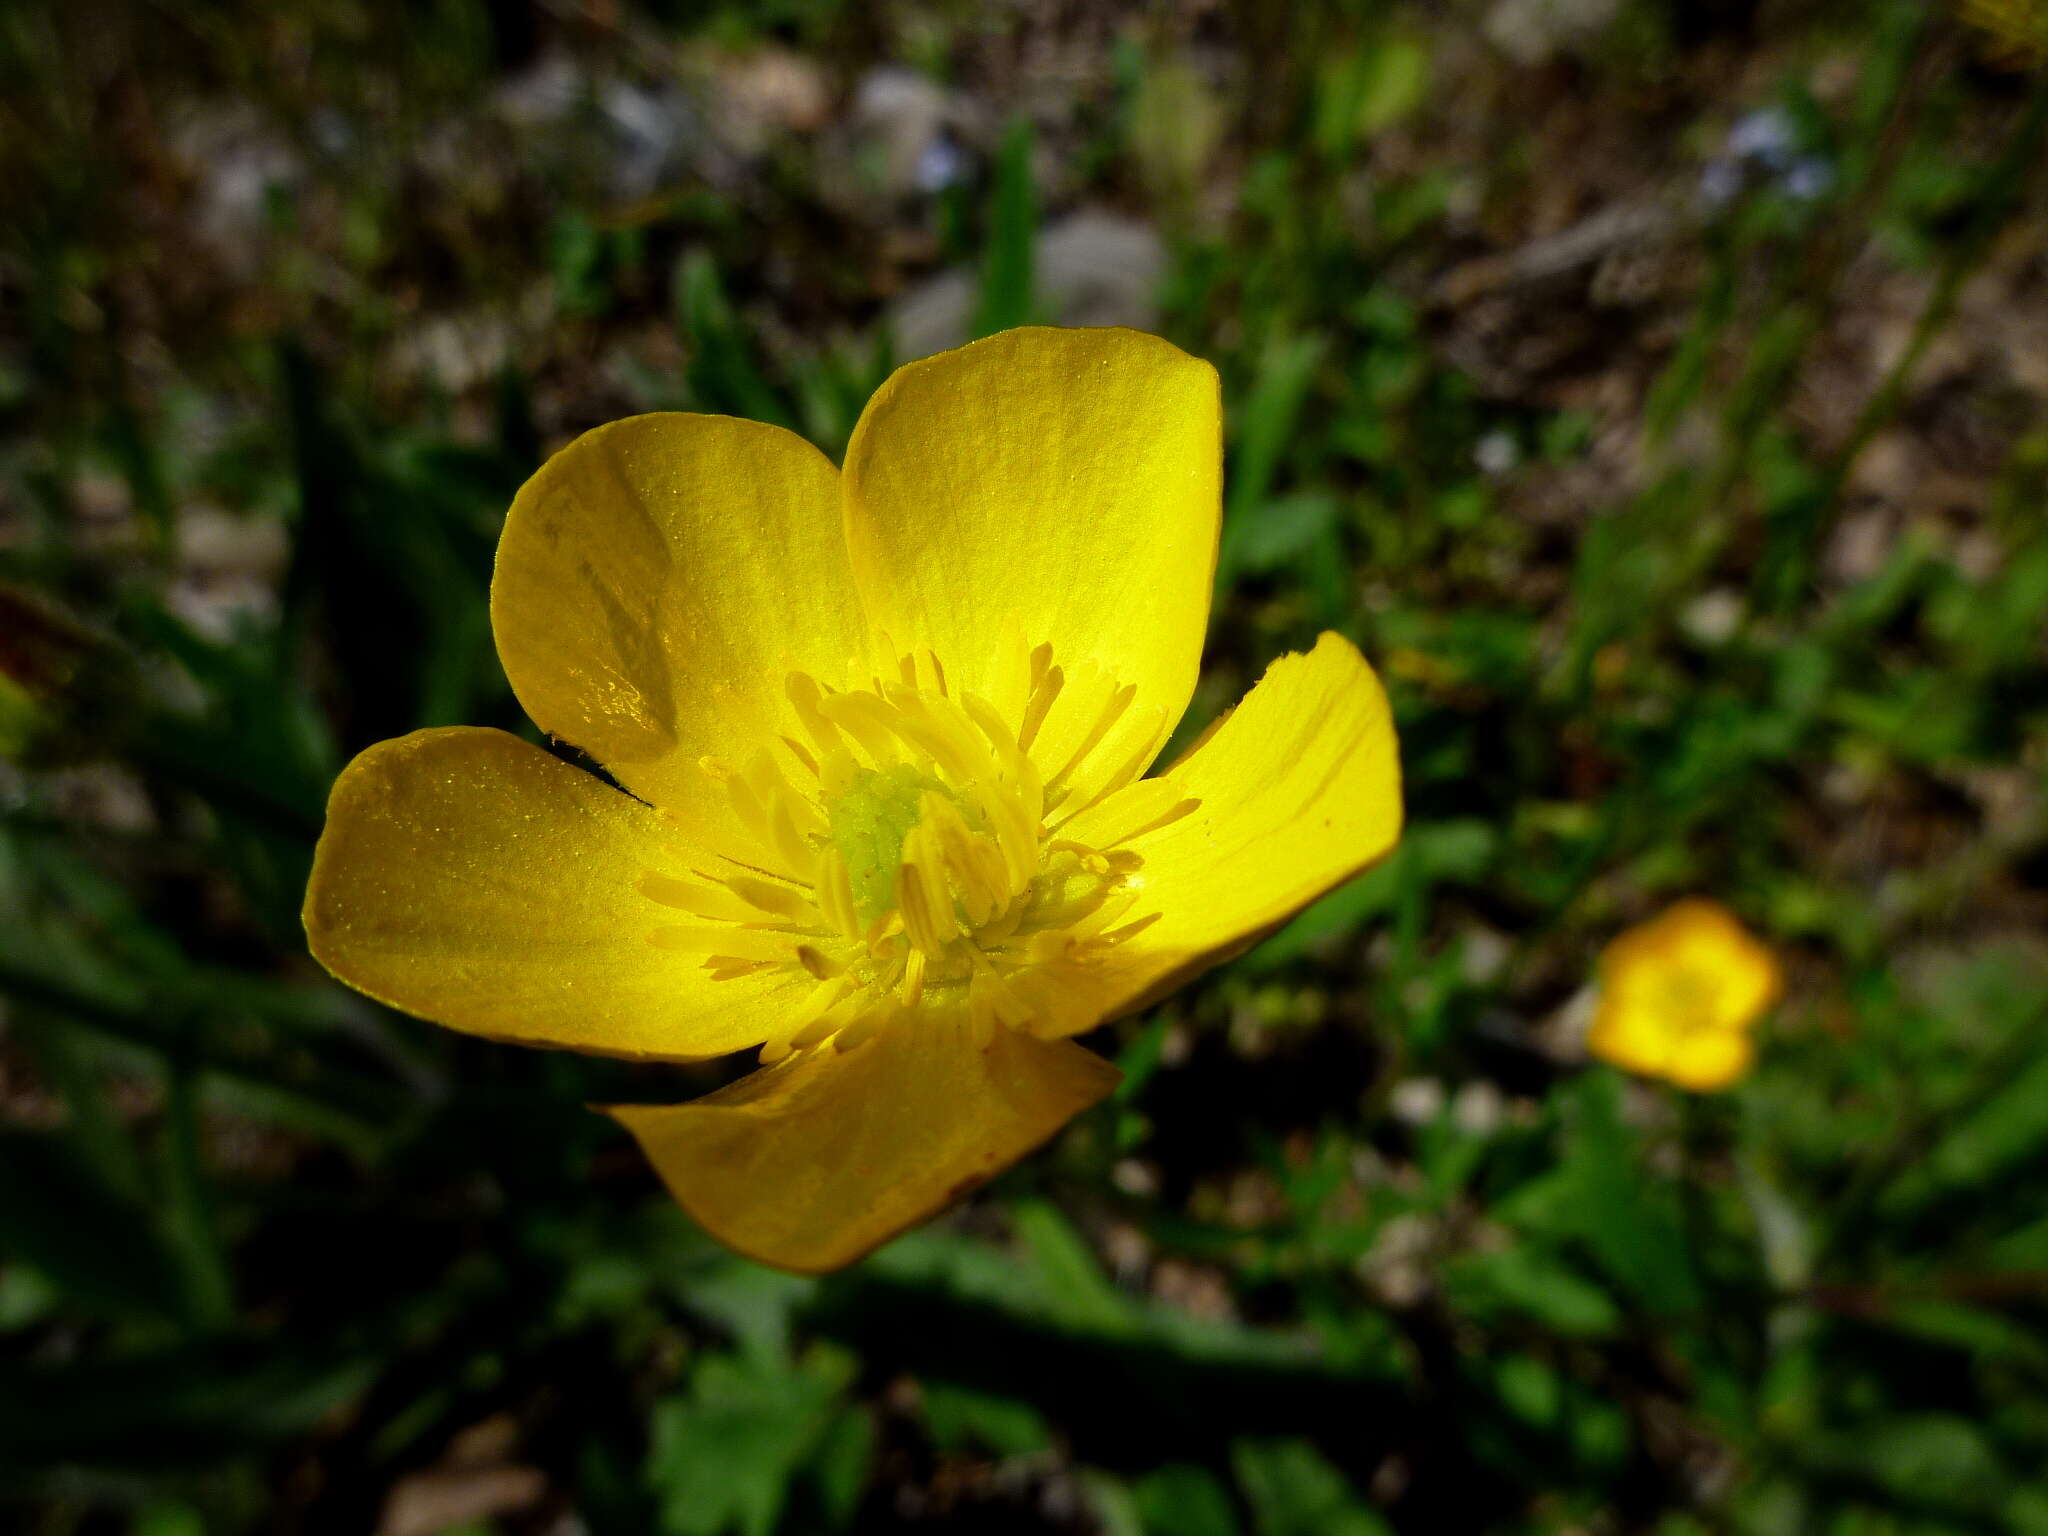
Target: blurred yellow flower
[(883, 732), (1680, 994)]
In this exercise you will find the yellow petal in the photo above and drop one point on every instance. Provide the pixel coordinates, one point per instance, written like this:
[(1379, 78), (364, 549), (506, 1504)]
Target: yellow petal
[(1041, 486), (470, 878), (1300, 789), (1635, 1039), (810, 1164), (1708, 1060), (657, 580)]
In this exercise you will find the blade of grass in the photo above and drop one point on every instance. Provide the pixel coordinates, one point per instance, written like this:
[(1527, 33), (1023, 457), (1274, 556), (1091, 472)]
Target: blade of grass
[(722, 373), (188, 1218), (1286, 368), (1007, 275)]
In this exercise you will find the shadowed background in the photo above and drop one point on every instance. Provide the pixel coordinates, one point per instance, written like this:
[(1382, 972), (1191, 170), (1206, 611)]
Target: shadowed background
[(1654, 392)]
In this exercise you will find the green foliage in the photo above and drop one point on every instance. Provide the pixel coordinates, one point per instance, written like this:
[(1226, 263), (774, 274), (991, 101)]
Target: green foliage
[(1007, 282), (725, 1452), (1293, 1491), (1185, 1501)]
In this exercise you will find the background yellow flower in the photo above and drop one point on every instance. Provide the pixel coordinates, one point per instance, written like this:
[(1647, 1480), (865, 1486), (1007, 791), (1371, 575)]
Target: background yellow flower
[(1680, 995)]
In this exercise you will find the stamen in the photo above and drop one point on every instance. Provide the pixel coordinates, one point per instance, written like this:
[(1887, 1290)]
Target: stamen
[(1136, 809), (922, 727), (1139, 759), (727, 968), (863, 716), (1132, 929), (747, 805), (883, 929), (862, 1028), (1045, 687), (818, 963), (814, 1018), (792, 843), (927, 912), (827, 1024), (1112, 711), (806, 697), (835, 893), (993, 727), (775, 900), (698, 900), (1041, 663), (787, 820), (837, 774), (977, 870), (1095, 863), (908, 872), (992, 1001)]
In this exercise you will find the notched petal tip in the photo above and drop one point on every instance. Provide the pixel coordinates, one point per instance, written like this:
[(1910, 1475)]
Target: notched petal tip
[(981, 486)]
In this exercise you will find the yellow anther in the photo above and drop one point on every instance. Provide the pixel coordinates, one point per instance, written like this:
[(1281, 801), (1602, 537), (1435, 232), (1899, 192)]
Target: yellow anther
[(863, 1026), (865, 718), (909, 866), (835, 893), (914, 970), (827, 1024), (1130, 930), (726, 968), (1107, 713), (775, 900), (818, 963), (698, 900), (1089, 859), (1044, 689), (806, 698)]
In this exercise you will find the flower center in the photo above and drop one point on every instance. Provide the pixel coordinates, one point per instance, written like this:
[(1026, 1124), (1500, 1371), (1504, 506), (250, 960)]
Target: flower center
[(870, 819), (903, 850), (1690, 996)]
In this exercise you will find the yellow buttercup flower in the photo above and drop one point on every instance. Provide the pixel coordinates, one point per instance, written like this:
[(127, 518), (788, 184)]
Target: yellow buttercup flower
[(884, 734), (1680, 994)]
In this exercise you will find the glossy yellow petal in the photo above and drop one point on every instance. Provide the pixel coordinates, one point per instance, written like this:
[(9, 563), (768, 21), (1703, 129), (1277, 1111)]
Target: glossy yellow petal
[(1299, 790), (468, 877), (657, 581), (1053, 487), (810, 1164), (1708, 1060)]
